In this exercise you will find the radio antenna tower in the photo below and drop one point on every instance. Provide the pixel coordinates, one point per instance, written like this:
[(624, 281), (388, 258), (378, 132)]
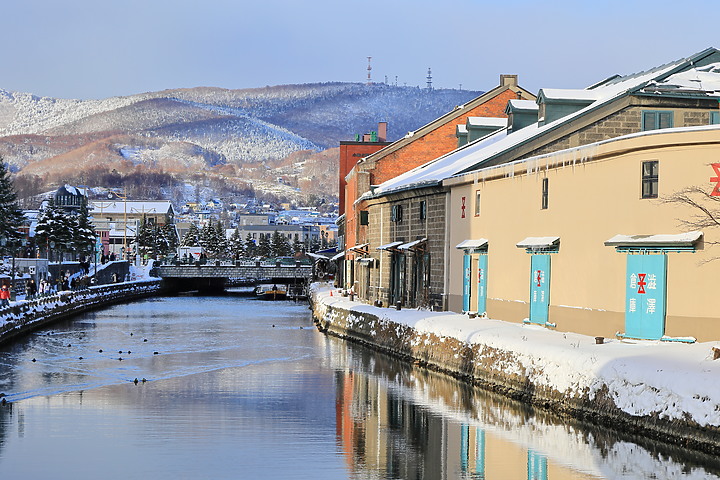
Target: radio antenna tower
[(369, 69), (429, 79)]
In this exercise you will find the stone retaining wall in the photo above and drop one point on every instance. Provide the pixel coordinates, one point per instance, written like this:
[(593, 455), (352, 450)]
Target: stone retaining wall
[(27, 316), (501, 372)]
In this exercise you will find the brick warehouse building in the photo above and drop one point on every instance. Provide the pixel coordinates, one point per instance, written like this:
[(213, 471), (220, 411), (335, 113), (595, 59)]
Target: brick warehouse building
[(416, 148), (578, 188)]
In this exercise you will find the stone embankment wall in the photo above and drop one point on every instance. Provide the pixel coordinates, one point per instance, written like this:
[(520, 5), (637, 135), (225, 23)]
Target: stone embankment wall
[(501, 371), (27, 316)]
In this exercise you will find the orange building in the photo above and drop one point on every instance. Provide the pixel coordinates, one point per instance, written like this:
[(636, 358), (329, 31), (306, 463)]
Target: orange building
[(352, 152)]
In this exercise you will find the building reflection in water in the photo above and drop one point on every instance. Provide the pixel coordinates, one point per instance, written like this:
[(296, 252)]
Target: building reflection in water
[(400, 422)]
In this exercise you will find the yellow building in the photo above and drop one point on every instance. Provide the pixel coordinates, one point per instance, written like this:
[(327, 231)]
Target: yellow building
[(591, 214)]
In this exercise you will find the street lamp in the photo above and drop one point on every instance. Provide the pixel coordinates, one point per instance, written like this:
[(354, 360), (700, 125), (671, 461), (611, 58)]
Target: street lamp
[(123, 196)]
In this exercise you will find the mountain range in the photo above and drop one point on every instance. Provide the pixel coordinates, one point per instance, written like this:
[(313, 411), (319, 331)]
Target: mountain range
[(281, 140)]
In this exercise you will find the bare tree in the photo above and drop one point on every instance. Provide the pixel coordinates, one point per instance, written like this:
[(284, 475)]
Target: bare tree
[(704, 207)]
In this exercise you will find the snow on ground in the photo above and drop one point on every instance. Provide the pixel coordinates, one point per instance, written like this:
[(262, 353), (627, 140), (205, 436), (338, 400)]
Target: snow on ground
[(672, 380)]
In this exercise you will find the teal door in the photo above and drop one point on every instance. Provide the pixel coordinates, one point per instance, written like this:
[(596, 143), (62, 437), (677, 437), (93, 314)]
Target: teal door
[(466, 282), (645, 284), (482, 284), (537, 466), (539, 288)]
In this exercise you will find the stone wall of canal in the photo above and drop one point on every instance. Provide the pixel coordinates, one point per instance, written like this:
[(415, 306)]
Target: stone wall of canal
[(26, 316), (499, 371)]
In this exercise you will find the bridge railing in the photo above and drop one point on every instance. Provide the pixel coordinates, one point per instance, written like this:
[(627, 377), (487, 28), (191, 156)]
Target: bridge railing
[(240, 262)]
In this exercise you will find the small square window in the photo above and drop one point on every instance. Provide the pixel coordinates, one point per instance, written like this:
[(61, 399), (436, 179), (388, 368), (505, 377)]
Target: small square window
[(545, 189), (714, 118), (654, 120), (477, 203), (650, 179)]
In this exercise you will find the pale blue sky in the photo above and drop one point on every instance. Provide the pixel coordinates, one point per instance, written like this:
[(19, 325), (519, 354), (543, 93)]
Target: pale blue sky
[(103, 48)]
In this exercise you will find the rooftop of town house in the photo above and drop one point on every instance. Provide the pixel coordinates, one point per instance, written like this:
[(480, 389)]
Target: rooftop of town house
[(487, 121), (117, 206), (698, 74)]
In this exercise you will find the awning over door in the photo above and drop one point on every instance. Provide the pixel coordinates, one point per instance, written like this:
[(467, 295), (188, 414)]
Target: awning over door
[(539, 244), (390, 246), (680, 241), (414, 245), (479, 244)]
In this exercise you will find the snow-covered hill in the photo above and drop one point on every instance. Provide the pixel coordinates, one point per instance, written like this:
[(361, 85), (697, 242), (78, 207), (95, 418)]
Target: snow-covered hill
[(204, 128)]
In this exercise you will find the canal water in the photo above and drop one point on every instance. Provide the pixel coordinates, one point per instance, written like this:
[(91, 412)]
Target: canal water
[(230, 387)]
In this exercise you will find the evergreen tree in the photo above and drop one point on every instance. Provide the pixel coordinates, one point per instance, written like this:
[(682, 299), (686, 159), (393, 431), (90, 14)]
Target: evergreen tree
[(192, 237), (167, 239), (250, 246), (236, 246), (298, 246), (205, 238), (84, 231), (146, 238), (279, 245), (263, 246), (10, 215), (221, 241), (54, 227)]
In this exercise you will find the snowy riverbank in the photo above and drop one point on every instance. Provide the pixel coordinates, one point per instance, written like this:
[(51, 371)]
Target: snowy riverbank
[(665, 388)]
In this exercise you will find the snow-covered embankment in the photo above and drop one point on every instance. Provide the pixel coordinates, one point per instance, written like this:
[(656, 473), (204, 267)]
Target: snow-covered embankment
[(668, 391)]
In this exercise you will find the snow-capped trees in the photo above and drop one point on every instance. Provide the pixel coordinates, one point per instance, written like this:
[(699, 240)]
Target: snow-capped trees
[(191, 237), (83, 231), (10, 215), (155, 240), (54, 230)]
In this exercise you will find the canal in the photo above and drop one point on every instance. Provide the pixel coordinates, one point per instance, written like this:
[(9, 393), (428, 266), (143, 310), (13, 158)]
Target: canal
[(234, 387)]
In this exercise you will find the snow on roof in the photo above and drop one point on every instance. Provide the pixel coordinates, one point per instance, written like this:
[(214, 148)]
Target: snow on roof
[(409, 245), (357, 247), (338, 256), (131, 206), (523, 104), (390, 245), (486, 121), (570, 94), (472, 244), (473, 155), (461, 128), (677, 240), (702, 79), (538, 242)]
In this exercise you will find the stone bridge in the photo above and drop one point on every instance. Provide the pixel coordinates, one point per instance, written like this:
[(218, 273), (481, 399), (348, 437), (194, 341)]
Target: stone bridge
[(215, 275)]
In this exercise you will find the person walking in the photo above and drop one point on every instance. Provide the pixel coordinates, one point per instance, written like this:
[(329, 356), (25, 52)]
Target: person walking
[(5, 295), (30, 289)]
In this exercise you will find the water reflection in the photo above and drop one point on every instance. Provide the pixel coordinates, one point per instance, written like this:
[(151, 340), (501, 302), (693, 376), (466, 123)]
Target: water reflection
[(401, 422), (245, 389)]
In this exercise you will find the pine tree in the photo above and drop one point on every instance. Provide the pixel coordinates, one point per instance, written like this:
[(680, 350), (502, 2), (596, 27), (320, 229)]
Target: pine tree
[(236, 246), (167, 242), (54, 229), (192, 237), (250, 246), (279, 246), (10, 215), (221, 241), (264, 247), (146, 238), (84, 231)]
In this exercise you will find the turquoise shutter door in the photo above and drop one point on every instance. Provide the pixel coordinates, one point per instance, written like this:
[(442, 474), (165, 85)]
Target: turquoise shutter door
[(466, 282), (482, 284), (539, 288), (645, 286)]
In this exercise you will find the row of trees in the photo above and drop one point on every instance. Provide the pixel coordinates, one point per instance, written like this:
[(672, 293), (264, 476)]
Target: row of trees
[(217, 245), (61, 231)]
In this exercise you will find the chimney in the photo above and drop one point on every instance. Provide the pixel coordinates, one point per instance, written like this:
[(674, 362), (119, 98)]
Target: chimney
[(382, 132), (508, 80)]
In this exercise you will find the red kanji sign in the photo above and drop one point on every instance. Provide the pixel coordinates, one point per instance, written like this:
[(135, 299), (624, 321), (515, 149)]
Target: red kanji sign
[(539, 277), (463, 207), (716, 189), (641, 282)]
